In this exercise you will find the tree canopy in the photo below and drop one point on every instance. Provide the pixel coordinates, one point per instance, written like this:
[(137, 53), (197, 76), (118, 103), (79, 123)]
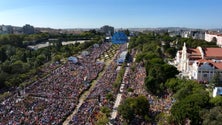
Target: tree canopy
[(135, 107)]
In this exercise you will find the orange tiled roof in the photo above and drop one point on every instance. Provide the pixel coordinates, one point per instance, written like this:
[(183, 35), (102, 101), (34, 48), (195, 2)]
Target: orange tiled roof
[(201, 61), (218, 65), (213, 52), (214, 33), (194, 53)]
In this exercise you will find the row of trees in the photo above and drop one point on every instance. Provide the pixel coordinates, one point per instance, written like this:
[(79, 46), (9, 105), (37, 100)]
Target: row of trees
[(23, 40), (151, 54)]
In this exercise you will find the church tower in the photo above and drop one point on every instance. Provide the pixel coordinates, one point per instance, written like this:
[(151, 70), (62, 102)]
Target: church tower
[(184, 59)]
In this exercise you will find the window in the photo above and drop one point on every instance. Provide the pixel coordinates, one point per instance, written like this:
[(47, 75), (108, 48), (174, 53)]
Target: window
[(205, 71)]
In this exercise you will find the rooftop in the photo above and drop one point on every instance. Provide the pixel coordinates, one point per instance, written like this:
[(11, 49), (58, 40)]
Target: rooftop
[(213, 52)]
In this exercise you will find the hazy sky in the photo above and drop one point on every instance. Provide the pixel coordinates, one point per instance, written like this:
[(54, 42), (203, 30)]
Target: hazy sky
[(117, 13)]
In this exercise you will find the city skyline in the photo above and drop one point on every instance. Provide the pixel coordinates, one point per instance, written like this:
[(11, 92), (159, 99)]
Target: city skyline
[(120, 14)]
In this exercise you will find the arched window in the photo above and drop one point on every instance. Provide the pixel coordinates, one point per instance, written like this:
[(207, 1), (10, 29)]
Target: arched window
[(214, 39)]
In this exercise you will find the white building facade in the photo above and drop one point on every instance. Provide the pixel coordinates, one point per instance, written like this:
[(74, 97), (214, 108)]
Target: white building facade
[(211, 36), (198, 63)]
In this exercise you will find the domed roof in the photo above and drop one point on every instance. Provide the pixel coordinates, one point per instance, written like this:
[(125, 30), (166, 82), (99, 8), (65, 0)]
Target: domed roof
[(96, 45), (119, 38), (73, 59), (85, 53)]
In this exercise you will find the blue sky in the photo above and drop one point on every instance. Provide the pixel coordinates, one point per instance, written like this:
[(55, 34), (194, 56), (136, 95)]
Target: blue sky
[(117, 13)]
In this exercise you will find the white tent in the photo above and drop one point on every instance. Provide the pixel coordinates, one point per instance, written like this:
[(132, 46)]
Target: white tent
[(73, 59), (85, 53), (96, 45)]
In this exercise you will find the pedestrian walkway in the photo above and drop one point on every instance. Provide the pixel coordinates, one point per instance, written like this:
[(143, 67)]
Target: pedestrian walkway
[(117, 103), (119, 97)]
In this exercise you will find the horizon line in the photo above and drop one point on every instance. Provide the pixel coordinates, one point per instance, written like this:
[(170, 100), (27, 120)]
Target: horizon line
[(58, 28)]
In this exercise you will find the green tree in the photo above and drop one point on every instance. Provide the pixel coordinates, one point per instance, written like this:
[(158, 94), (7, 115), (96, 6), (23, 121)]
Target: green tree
[(136, 107), (17, 67), (171, 52), (152, 84), (40, 59), (6, 67), (212, 116), (191, 99), (102, 119), (216, 79), (157, 74), (3, 55), (187, 88), (127, 32), (139, 57), (3, 77), (57, 58), (190, 108), (24, 57), (155, 61), (10, 50), (106, 111), (169, 71), (173, 84), (216, 101), (110, 97)]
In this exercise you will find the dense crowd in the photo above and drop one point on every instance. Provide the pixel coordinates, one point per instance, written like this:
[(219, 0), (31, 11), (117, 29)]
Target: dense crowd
[(90, 108), (134, 85), (51, 99)]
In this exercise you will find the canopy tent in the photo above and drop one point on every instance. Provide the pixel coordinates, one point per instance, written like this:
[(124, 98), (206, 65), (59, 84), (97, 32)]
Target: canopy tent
[(119, 38), (73, 59), (96, 45), (122, 57), (85, 53), (120, 60)]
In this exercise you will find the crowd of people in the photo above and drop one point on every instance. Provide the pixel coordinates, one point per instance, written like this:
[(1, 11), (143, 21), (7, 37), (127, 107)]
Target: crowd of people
[(134, 80), (97, 98), (49, 100)]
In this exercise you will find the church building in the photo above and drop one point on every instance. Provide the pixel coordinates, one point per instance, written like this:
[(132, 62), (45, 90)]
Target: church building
[(199, 63)]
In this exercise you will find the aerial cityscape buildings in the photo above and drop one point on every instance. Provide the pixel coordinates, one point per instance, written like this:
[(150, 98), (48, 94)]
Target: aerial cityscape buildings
[(108, 30), (8, 29), (214, 37), (82, 84), (117, 62)]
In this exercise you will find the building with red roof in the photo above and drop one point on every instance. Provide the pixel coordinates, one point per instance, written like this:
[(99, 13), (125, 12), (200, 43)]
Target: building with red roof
[(199, 63)]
